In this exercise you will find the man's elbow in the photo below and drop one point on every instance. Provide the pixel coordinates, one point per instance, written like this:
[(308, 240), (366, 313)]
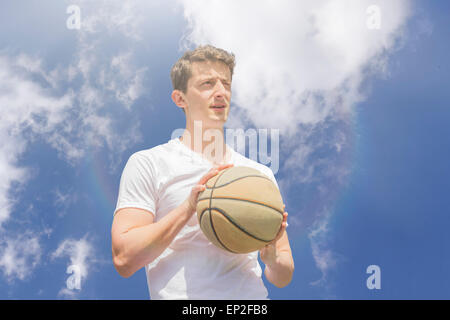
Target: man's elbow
[(122, 267), (284, 282), (281, 283)]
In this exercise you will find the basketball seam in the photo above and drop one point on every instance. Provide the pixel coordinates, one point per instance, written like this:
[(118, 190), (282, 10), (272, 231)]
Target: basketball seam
[(237, 225), (246, 200), (210, 198), (227, 183), (215, 234), (210, 215)]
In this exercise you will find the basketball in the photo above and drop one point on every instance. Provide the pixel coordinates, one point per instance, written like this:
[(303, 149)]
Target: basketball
[(241, 210)]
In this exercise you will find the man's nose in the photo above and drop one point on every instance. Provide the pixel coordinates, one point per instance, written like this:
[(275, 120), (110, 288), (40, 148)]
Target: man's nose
[(221, 91)]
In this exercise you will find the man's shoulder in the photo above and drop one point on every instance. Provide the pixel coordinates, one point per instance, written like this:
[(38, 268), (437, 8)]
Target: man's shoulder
[(154, 161), (154, 152)]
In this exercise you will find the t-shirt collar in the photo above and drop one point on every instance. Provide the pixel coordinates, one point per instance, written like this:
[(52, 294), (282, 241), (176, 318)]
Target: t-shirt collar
[(190, 152)]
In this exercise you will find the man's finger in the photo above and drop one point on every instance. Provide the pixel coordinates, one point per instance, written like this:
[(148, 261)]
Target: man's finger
[(213, 171), (282, 228)]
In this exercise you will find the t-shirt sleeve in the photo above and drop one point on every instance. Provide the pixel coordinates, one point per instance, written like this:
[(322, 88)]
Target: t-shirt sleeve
[(268, 172), (137, 185)]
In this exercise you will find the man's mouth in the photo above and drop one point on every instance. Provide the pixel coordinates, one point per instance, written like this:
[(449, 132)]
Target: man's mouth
[(220, 106)]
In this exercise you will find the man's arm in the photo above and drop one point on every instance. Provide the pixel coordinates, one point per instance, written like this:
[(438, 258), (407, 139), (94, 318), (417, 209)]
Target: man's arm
[(277, 256), (137, 240)]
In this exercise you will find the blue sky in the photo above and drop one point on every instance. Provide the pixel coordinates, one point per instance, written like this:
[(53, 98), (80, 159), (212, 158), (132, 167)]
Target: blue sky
[(364, 136)]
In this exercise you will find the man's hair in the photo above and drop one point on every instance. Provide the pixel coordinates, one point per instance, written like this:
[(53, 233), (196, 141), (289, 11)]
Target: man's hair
[(182, 69)]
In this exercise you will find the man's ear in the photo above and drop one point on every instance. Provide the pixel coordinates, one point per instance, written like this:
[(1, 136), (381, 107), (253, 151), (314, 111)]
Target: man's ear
[(179, 99)]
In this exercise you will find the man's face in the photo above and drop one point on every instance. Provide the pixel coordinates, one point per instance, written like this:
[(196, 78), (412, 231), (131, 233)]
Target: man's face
[(208, 93)]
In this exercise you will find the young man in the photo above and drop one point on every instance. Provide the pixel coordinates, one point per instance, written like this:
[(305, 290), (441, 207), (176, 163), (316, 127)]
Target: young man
[(155, 225)]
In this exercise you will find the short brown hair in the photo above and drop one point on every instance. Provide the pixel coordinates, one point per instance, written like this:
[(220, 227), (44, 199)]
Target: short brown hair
[(182, 71)]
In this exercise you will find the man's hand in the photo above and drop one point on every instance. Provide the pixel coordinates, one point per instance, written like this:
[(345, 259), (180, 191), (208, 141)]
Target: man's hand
[(269, 252), (191, 201), (277, 257)]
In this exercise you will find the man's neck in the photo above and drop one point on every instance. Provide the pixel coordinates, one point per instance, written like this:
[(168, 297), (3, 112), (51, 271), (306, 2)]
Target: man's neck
[(209, 142)]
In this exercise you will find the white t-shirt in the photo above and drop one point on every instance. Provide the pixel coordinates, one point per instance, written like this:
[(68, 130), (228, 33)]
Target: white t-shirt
[(159, 180)]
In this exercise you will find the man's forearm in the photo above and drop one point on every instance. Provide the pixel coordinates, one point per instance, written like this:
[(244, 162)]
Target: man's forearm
[(280, 272), (141, 245)]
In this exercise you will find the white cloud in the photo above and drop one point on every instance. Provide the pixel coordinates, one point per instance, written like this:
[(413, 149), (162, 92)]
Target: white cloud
[(70, 107), (65, 293), (66, 106), (116, 25), (323, 256), (63, 200), (28, 108), (81, 254), (19, 256), (129, 86), (296, 60)]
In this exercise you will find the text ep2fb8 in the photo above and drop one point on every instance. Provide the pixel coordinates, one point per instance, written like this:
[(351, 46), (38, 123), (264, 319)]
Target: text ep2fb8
[(229, 309)]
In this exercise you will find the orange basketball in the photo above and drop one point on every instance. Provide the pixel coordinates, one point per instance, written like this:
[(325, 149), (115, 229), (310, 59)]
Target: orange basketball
[(241, 210)]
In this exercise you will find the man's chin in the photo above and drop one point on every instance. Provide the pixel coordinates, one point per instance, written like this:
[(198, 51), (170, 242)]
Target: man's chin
[(216, 123), (211, 122)]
